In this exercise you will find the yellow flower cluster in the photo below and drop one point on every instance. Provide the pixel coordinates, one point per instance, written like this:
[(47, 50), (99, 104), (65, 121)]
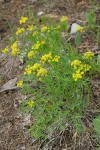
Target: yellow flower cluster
[(30, 103), (80, 69), (19, 31), (41, 72), (77, 75), (48, 58), (23, 20), (15, 49), (57, 28), (43, 42), (86, 68), (30, 28), (79, 28), (37, 70), (88, 55), (36, 46), (76, 63), (36, 66), (5, 50), (45, 28), (29, 69), (56, 58), (64, 18), (35, 33), (31, 54), (20, 83)]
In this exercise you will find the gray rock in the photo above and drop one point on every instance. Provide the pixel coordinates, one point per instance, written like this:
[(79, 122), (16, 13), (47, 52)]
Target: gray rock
[(1, 1), (40, 13)]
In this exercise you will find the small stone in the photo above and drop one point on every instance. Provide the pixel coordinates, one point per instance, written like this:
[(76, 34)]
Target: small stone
[(27, 120), (1, 1), (40, 13)]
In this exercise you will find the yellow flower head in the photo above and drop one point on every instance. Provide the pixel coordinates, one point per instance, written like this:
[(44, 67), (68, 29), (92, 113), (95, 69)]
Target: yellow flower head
[(77, 76), (15, 49), (30, 54), (43, 42), (76, 63), (42, 72), (30, 103), (20, 83), (81, 66), (80, 69), (46, 57), (43, 29), (56, 58), (35, 33), (36, 66), (30, 28), (23, 20), (28, 70), (88, 55), (79, 28), (36, 46), (19, 31), (5, 50), (64, 18), (87, 67)]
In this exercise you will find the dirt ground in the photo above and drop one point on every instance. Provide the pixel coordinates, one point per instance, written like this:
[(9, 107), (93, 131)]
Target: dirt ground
[(13, 124)]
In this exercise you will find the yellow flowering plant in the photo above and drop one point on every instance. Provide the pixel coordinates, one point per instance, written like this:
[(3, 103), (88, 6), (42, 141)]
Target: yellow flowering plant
[(55, 74), (19, 31), (64, 18), (23, 20), (15, 49), (30, 27), (20, 83), (88, 55), (30, 103), (5, 50)]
